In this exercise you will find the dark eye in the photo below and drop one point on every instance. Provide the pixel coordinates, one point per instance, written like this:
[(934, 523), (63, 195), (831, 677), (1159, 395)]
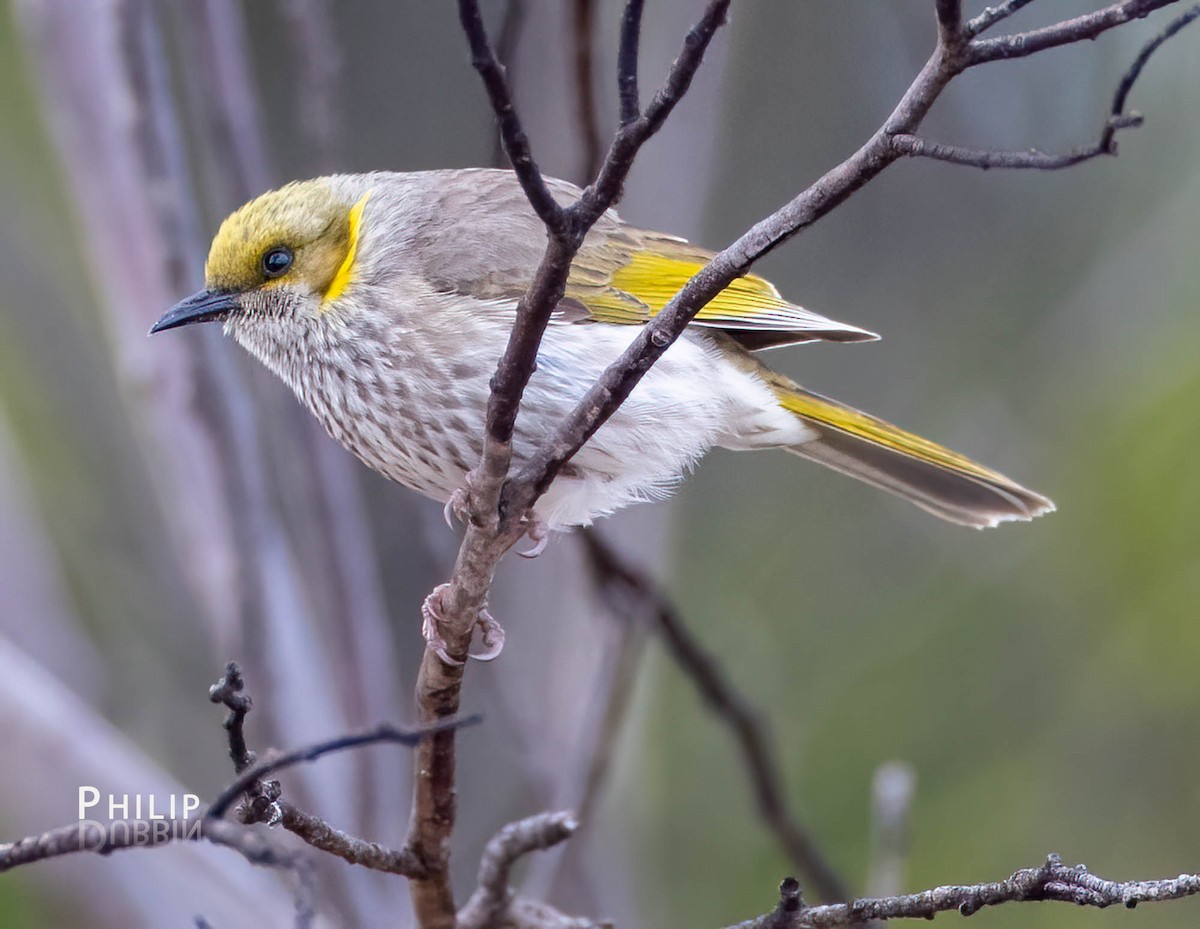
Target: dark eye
[(277, 261)]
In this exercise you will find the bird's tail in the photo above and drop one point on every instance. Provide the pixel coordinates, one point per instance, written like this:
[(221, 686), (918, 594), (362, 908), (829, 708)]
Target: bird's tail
[(936, 479)]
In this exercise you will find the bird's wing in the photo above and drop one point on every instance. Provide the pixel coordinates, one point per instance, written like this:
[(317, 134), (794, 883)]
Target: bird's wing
[(490, 245), (627, 275)]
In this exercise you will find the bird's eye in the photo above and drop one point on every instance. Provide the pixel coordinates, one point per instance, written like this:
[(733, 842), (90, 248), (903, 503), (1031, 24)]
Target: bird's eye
[(276, 261)]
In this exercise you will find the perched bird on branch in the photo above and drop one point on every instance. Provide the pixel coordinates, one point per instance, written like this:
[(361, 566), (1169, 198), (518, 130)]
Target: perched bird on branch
[(385, 301)]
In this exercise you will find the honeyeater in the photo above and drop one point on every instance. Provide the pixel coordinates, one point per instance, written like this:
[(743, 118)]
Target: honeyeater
[(385, 300)]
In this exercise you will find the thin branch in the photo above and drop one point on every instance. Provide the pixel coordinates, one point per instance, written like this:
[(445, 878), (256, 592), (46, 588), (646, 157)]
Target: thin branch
[(105, 838), (627, 62), (583, 14), (491, 899), (385, 732), (1067, 32), (1052, 881), (1030, 159), (230, 691), (506, 45), (1135, 70), (631, 136), (917, 147), (512, 133), (322, 836), (992, 15), (714, 686), (265, 803)]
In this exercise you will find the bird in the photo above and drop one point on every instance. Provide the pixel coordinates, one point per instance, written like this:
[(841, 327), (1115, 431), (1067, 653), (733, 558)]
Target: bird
[(384, 301)]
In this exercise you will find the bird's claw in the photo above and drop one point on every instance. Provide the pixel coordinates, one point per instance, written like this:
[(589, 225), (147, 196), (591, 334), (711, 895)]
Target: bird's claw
[(539, 534), (459, 505), (491, 633)]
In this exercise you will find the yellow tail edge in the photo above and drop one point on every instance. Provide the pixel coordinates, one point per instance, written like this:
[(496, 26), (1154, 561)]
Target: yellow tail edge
[(940, 481)]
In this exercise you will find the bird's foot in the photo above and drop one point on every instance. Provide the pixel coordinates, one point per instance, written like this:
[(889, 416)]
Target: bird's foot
[(539, 535), (491, 633), (459, 505)]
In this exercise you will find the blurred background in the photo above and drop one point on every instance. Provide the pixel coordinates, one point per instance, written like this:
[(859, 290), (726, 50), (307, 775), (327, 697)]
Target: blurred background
[(165, 505)]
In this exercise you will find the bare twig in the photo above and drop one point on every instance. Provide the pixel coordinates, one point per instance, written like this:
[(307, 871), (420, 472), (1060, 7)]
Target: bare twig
[(492, 897), (1067, 32), (1052, 881), (105, 838), (917, 147), (993, 15), (1030, 159), (506, 44), (1135, 70), (383, 733), (714, 686), (627, 62), (512, 133), (320, 835), (583, 14), (230, 691), (266, 803)]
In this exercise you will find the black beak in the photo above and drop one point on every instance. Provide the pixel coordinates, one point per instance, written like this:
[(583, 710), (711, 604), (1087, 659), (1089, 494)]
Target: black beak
[(205, 306)]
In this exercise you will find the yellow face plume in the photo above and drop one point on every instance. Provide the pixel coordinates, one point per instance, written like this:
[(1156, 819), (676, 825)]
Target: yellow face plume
[(302, 236)]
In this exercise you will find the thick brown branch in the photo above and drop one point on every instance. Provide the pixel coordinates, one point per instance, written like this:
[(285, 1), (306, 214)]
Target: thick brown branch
[(726, 702), (1053, 881)]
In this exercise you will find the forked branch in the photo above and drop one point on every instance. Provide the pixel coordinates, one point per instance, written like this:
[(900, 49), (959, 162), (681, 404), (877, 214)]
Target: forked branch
[(1053, 881)]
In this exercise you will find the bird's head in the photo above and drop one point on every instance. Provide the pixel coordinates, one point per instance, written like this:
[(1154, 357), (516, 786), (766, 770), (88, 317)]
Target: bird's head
[(289, 252)]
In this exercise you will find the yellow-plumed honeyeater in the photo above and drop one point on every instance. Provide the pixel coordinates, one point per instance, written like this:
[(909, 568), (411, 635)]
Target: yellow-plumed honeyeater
[(385, 300)]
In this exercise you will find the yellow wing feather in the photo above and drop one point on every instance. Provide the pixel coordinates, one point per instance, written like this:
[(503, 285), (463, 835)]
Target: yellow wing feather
[(628, 279)]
